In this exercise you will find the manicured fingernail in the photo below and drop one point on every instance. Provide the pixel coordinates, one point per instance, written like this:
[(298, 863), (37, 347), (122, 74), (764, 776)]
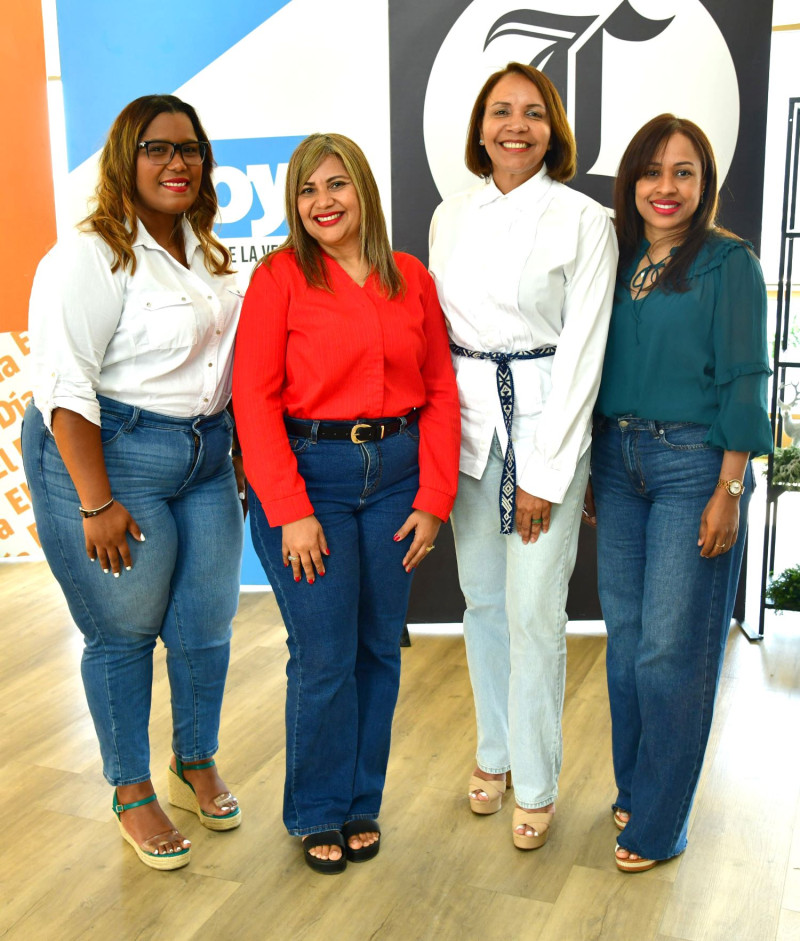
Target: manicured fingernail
[(327, 552), (322, 574), (241, 494), (141, 538), (396, 537), (105, 571), (311, 581), (409, 568), (297, 578), (128, 568), (92, 560), (116, 574)]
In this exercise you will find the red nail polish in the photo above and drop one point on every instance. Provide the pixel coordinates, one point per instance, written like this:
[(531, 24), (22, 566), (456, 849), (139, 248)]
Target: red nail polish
[(311, 581), (327, 552), (396, 537), (322, 574), (297, 578), (286, 565)]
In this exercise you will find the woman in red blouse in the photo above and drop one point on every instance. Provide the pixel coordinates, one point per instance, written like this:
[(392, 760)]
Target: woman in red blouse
[(348, 417)]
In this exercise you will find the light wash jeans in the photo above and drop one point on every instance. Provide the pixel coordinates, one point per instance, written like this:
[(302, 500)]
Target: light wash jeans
[(515, 629), (176, 479), (667, 610), (344, 630)]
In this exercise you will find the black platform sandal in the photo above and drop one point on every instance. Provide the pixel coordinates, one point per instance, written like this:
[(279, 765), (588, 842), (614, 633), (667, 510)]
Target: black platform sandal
[(325, 838), (353, 828)]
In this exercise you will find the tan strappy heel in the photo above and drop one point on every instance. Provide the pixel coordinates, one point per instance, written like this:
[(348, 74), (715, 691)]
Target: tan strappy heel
[(493, 789)]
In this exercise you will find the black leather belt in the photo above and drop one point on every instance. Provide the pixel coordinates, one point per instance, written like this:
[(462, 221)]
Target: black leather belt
[(359, 432)]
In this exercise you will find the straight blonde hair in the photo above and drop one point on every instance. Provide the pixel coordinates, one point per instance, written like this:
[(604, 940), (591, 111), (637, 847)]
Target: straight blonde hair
[(375, 246)]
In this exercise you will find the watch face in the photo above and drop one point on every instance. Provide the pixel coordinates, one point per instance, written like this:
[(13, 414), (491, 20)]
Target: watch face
[(735, 487)]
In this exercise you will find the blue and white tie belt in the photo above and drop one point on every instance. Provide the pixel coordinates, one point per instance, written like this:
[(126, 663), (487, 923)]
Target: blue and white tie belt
[(505, 390)]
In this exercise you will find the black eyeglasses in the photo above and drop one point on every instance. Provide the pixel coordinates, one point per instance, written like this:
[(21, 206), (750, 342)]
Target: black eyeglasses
[(161, 152)]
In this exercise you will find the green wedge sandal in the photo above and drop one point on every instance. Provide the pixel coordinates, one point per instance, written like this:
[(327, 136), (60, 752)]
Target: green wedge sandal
[(154, 860), (181, 794)]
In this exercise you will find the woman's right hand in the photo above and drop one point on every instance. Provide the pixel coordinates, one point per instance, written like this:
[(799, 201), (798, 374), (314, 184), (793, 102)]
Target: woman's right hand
[(107, 538), (304, 545)]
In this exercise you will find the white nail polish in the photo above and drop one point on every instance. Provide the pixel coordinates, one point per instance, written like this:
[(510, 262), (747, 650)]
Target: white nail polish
[(105, 571), (116, 574), (128, 568), (141, 538)]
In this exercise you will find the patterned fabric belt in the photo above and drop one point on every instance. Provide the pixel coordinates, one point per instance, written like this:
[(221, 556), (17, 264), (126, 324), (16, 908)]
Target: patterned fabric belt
[(505, 390)]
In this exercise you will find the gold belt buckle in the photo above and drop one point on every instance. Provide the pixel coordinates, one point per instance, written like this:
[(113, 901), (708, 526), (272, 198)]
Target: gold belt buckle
[(354, 432)]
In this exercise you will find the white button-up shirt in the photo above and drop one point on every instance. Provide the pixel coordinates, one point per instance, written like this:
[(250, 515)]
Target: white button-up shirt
[(533, 267), (160, 339)]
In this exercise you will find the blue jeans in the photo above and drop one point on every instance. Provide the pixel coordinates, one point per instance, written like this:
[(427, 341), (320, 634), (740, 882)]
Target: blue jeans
[(344, 630), (176, 479), (667, 611), (515, 629)]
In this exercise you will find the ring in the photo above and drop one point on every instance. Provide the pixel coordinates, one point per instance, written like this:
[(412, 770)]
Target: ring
[(720, 545), (293, 558), (534, 522), (430, 548)]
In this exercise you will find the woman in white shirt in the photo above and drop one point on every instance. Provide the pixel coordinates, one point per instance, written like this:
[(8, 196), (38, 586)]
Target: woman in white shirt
[(525, 271), (127, 454)]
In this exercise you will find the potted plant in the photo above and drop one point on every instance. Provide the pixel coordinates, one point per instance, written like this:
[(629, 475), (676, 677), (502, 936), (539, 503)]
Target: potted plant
[(786, 468), (783, 592)]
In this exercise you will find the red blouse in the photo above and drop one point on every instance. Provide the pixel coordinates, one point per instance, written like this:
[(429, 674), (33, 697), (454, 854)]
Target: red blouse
[(347, 355)]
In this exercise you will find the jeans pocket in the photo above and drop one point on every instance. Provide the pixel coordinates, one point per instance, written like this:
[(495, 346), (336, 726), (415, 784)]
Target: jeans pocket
[(298, 445), (412, 431), (684, 436), (111, 427)]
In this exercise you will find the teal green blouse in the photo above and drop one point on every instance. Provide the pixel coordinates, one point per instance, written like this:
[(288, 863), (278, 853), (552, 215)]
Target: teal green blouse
[(700, 356)]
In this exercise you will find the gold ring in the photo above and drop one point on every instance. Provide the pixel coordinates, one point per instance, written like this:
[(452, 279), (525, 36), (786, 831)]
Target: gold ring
[(720, 545), (429, 548)]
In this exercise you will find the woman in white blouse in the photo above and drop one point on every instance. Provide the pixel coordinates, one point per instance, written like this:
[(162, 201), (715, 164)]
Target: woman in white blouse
[(525, 271), (127, 454)]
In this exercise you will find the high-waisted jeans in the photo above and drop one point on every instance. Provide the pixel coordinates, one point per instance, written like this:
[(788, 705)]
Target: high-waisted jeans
[(176, 479), (344, 630), (515, 629), (667, 611)]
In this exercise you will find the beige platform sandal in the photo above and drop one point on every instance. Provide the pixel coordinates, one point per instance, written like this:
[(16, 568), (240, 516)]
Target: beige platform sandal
[(536, 820), (493, 789)]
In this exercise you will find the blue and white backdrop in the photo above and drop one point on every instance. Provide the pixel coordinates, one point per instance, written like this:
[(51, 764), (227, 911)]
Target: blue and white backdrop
[(399, 77)]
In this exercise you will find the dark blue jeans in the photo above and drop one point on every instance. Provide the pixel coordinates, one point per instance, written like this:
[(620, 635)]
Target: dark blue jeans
[(667, 611), (175, 478), (344, 630)]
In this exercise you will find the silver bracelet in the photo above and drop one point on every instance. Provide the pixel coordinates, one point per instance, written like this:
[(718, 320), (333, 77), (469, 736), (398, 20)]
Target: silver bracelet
[(87, 513)]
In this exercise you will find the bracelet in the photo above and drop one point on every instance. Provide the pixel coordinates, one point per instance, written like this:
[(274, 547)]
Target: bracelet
[(101, 509)]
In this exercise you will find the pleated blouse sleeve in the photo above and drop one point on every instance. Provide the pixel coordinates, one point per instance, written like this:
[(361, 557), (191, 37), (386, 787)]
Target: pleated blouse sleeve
[(740, 355)]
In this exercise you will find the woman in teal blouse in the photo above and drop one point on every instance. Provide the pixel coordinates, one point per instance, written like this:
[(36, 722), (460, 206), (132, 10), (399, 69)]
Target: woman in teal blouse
[(681, 409)]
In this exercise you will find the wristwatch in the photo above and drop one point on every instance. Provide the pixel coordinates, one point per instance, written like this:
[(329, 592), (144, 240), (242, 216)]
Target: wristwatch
[(734, 486)]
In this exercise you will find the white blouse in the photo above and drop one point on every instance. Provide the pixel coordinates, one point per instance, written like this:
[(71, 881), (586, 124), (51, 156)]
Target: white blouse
[(533, 267), (161, 339)]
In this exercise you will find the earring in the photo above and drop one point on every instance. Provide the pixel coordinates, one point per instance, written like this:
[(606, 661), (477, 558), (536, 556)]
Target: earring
[(481, 142)]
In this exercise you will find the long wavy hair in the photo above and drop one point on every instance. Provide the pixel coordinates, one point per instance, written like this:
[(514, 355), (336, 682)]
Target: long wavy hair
[(561, 158), (114, 215), (375, 246), (641, 152)]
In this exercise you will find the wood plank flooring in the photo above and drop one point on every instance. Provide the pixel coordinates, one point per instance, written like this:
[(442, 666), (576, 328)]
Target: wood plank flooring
[(443, 874)]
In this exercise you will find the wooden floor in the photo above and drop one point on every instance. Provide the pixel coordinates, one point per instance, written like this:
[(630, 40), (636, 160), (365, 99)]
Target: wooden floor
[(443, 873)]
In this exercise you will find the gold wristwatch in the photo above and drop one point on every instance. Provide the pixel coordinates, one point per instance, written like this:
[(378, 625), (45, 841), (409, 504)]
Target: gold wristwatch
[(734, 486)]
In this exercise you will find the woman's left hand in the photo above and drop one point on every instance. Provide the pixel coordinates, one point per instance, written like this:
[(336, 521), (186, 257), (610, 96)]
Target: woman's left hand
[(241, 480), (533, 516), (719, 525), (425, 526)]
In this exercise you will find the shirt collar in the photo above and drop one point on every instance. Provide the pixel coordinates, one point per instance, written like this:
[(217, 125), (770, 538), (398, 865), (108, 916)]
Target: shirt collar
[(146, 240), (531, 191)]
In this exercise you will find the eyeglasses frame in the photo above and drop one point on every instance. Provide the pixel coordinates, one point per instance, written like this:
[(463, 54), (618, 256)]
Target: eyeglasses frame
[(203, 144)]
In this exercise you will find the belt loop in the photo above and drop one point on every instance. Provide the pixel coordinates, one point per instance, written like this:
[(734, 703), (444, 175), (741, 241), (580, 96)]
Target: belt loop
[(314, 430), (134, 418)]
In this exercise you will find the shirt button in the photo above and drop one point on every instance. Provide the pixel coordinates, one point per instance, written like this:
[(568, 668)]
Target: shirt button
[(208, 298), (183, 298), (218, 332), (623, 424), (210, 365), (205, 398)]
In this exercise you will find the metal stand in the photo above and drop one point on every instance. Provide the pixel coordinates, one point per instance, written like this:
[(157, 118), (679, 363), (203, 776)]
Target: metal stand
[(790, 230)]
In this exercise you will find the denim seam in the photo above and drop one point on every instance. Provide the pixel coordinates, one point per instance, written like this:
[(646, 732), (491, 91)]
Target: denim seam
[(90, 619)]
